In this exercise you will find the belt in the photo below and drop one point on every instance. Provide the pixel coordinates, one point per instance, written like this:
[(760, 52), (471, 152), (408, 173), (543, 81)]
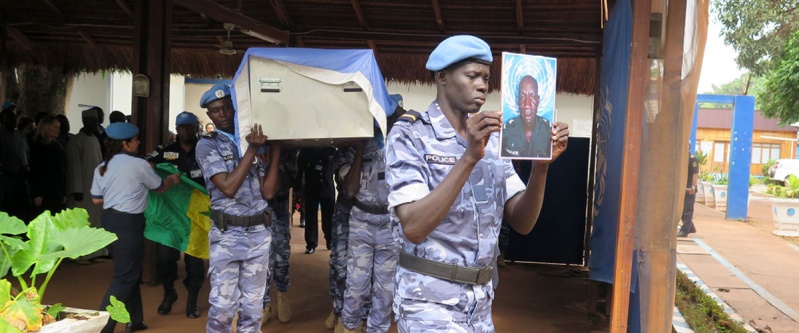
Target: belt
[(371, 209), (449, 272), (222, 220)]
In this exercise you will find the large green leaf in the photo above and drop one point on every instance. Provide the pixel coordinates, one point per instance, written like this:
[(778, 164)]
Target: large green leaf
[(70, 218), (78, 242), (24, 312), (118, 311), (7, 328), (11, 245), (5, 293), (39, 242), (10, 225)]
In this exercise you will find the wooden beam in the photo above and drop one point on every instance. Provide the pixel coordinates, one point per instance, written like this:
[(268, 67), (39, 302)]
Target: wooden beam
[(281, 11), (88, 39), (54, 8), (359, 14), (125, 8), (439, 19), (224, 14), (628, 208), (528, 38), (20, 38), (519, 17), (372, 45)]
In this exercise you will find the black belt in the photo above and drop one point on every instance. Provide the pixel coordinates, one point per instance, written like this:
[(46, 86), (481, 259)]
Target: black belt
[(371, 209), (449, 272), (222, 220)]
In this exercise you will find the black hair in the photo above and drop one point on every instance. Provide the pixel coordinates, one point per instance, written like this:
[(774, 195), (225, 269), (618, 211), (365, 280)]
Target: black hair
[(112, 148)]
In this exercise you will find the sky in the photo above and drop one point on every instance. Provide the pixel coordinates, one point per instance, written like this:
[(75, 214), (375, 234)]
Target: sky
[(718, 66)]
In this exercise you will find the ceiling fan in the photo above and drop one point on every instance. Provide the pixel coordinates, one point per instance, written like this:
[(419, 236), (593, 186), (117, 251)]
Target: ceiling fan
[(227, 45)]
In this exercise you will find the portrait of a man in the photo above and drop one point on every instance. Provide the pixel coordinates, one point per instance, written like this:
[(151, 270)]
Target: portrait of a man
[(528, 135)]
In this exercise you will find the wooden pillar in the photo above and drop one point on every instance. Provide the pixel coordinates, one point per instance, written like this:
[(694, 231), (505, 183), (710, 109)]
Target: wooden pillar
[(639, 76), (151, 45)]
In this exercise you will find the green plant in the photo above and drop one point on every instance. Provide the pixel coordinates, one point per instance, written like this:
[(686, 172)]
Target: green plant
[(721, 180), (701, 312), (770, 189), (793, 186), (50, 239), (765, 167), (777, 190)]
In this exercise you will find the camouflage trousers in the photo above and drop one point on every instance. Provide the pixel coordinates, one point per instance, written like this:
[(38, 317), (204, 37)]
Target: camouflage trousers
[(373, 254), (238, 265), (472, 313), (338, 256), (280, 248)]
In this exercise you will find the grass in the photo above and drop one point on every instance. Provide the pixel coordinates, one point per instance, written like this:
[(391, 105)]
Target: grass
[(700, 311)]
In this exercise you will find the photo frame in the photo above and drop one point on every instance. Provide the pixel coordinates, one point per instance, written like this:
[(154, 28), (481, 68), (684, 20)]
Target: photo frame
[(528, 106)]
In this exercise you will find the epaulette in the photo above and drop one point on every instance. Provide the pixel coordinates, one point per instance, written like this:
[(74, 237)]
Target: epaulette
[(410, 116)]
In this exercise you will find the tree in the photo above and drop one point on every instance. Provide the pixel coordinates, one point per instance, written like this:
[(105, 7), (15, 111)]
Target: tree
[(746, 84), (757, 29), (780, 98)]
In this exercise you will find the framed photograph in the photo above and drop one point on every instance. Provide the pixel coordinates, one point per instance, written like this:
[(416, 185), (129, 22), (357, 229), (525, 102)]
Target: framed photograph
[(528, 106)]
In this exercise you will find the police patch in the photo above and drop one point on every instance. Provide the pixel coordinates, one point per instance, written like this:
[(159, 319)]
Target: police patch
[(219, 93), (170, 156), (227, 157), (430, 158)]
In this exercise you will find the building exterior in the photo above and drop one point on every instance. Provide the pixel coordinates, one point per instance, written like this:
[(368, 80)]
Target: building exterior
[(770, 141)]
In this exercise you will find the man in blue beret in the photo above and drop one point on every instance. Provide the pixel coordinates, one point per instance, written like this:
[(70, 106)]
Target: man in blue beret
[(240, 236), (181, 154), (449, 192)]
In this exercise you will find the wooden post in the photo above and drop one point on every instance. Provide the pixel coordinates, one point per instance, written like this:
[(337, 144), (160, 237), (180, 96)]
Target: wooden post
[(639, 74), (151, 45)]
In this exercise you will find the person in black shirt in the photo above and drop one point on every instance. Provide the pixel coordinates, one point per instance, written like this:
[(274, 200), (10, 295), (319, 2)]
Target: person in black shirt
[(181, 154), (315, 165), (690, 196)]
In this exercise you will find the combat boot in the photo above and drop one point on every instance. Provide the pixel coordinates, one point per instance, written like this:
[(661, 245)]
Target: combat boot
[(266, 315), (331, 321), (170, 296), (192, 311), (340, 328), (283, 307)]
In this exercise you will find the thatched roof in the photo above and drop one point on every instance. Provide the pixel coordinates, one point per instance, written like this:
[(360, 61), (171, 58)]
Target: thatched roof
[(95, 35)]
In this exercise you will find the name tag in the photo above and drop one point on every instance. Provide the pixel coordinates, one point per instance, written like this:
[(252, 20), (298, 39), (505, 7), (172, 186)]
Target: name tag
[(430, 158), (227, 157), (154, 153), (196, 173), (318, 168), (170, 156)]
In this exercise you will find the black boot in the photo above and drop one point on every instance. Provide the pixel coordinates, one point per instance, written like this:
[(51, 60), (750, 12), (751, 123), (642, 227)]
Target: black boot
[(170, 296), (192, 311)]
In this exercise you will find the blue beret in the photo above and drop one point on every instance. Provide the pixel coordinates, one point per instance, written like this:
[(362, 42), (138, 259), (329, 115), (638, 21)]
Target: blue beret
[(121, 131), (217, 92), (457, 48), (186, 117), (8, 104)]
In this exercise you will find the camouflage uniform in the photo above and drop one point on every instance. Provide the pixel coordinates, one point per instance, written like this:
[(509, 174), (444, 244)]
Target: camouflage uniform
[(373, 252), (338, 254), (419, 155), (514, 140), (239, 256), (281, 226)]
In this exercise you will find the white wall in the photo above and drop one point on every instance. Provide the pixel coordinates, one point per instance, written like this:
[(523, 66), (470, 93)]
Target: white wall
[(115, 92)]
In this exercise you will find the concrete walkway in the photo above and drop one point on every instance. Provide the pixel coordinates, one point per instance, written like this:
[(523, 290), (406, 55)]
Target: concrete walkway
[(752, 270)]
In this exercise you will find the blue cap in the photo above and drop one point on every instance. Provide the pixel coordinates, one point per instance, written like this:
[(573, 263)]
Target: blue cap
[(186, 117), (457, 48), (217, 92), (8, 104), (121, 131)]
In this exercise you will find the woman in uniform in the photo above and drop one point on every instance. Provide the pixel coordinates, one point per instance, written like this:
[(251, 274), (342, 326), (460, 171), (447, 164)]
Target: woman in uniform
[(121, 184)]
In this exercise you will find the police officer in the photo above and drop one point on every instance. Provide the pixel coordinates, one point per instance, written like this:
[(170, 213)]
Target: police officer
[(449, 192), (527, 135), (339, 243), (315, 165), (239, 239), (121, 184), (180, 154), (372, 252), (281, 238), (690, 197)]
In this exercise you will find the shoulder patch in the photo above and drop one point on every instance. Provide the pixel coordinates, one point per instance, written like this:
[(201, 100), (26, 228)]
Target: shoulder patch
[(410, 116)]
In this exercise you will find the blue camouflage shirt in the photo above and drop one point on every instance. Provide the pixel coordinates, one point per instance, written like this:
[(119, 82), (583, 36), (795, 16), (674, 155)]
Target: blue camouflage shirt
[(217, 153), (374, 189), (418, 156)]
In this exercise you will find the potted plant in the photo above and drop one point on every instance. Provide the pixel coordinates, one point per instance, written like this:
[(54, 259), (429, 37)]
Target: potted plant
[(785, 208), (49, 240), (720, 192), (701, 159), (705, 184)]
